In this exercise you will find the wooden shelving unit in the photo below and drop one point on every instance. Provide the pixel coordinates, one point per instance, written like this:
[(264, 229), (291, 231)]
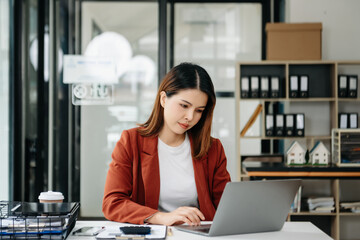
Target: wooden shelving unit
[(334, 174), (321, 110)]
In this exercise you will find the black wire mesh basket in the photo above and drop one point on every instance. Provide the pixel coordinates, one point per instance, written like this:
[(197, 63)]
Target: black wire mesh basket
[(32, 220)]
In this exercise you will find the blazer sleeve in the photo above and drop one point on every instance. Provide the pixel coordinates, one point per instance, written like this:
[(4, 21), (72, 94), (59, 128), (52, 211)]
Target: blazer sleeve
[(221, 175), (117, 202)]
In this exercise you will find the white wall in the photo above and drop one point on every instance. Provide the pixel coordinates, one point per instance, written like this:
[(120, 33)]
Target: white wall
[(340, 20)]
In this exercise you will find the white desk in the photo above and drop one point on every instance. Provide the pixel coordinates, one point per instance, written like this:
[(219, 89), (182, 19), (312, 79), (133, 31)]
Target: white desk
[(291, 230)]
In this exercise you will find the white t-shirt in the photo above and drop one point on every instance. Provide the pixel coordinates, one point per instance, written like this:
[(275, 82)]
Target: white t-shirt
[(177, 181)]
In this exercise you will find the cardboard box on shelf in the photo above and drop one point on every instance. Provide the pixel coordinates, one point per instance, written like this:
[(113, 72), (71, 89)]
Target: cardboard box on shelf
[(293, 41)]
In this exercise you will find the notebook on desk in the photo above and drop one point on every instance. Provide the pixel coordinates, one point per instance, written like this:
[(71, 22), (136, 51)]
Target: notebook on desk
[(250, 207)]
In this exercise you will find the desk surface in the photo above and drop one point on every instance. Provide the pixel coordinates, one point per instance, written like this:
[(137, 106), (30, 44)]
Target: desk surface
[(291, 230)]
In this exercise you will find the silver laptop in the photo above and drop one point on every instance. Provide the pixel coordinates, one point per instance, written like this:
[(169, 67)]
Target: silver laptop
[(250, 207)]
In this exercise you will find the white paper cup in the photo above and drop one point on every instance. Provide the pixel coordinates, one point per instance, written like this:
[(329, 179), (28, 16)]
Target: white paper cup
[(51, 197)]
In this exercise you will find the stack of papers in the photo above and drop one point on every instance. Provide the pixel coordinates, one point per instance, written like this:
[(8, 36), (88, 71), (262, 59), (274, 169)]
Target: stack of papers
[(321, 204), (113, 232), (33, 225), (352, 206)]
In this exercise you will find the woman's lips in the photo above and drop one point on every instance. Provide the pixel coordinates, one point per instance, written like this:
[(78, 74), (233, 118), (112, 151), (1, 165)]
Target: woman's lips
[(183, 125)]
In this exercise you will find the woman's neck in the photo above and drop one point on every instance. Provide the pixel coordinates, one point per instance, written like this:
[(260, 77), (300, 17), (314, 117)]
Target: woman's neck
[(171, 139)]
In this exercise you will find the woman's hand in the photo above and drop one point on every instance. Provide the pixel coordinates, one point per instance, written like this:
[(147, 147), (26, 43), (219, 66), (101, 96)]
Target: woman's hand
[(189, 215)]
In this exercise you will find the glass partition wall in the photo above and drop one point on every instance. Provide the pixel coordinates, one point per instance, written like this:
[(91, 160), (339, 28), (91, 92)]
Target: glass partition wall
[(115, 29)]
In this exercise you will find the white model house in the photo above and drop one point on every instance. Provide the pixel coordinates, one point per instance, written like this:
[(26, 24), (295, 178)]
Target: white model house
[(319, 154), (295, 154)]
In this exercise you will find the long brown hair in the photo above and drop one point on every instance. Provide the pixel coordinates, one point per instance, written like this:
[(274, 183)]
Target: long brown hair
[(181, 77)]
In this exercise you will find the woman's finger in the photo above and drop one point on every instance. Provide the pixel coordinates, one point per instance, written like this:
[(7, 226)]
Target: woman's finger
[(192, 214), (200, 214)]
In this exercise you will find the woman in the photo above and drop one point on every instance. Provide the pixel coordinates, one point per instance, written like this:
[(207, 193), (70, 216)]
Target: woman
[(170, 170)]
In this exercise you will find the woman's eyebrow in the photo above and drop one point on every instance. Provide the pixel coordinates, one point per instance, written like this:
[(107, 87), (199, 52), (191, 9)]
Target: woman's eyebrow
[(191, 104)]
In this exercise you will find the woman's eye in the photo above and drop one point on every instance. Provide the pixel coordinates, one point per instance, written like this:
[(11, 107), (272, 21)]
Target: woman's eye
[(199, 110), (183, 105)]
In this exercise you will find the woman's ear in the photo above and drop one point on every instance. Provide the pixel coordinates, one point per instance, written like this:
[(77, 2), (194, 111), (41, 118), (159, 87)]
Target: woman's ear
[(162, 98)]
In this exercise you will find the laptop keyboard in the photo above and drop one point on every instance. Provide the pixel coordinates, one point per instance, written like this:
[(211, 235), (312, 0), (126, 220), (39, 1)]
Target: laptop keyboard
[(202, 228)]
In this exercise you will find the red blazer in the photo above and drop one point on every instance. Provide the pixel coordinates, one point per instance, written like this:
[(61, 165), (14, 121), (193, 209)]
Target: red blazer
[(132, 185)]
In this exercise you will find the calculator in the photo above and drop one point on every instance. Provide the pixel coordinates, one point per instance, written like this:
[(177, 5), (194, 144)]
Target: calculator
[(141, 230)]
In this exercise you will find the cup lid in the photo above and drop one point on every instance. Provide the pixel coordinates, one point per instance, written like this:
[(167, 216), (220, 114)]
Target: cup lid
[(50, 195)]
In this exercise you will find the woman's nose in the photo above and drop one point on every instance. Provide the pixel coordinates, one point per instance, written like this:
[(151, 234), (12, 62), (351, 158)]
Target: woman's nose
[(189, 115)]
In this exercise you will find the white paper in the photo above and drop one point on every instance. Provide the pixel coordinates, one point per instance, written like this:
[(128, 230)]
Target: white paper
[(343, 121), (289, 120), (294, 83), (300, 121), (157, 232), (254, 83), (275, 83), (353, 120), (81, 69), (342, 83), (304, 83), (265, 83), (279, 120), (245, 84), (269, 121), (352, 83)]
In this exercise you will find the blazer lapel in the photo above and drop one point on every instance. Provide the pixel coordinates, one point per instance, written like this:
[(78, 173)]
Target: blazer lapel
[(150, 171), (201, 181)]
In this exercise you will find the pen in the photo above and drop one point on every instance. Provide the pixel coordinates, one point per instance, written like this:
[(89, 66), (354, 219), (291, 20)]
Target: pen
[(99, 231), (16, 207)]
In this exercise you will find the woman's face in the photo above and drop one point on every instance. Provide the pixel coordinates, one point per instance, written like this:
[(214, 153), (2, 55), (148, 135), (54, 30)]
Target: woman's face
[(183, 110)]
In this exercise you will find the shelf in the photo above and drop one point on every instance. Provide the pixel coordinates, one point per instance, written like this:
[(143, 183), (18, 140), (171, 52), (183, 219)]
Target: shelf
[(305, 171), (295, 62), (349, 99), (350, 62), (284, 138), (264, 99), (305, 174), (349, 214), (330, 99), (312, 214), (311, 99)]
